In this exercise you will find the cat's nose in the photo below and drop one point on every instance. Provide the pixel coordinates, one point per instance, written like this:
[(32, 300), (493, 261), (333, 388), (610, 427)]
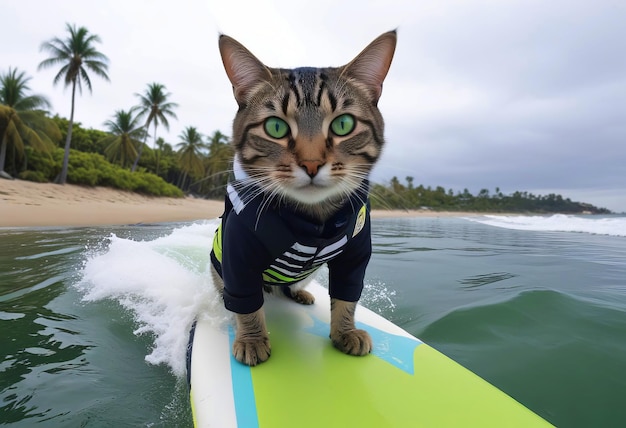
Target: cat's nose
[(311, 167)]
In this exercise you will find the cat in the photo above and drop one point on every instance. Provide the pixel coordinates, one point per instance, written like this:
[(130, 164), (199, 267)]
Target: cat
[(305, 141)]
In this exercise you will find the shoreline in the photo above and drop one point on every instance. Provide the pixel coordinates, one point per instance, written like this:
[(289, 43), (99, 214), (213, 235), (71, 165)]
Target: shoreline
[(29, 204)]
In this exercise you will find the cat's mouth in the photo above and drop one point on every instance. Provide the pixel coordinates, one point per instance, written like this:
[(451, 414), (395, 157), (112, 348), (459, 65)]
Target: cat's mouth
[(313, 184), (313, 187), (312, 192)]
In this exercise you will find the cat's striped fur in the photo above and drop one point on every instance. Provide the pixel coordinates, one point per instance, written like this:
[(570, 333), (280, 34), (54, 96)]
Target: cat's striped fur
[(307, 137), (310, 166)]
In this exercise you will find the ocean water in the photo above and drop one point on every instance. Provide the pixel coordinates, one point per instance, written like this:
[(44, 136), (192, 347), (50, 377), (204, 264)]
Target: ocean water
[(94, 321)]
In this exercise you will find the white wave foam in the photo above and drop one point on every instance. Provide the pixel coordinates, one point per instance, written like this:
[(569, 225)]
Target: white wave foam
[(378, 297), (613, 226), (165, 283)]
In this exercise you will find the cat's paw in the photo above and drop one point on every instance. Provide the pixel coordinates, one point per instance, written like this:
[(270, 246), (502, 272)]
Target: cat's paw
[(353, 342), (252, 351), (303, 297)]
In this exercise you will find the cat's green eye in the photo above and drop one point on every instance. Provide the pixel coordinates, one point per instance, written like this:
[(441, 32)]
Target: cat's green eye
[(343, 125), (276, 128)]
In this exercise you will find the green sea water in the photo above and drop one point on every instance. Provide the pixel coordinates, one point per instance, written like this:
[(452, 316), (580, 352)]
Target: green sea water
[(93, 321)]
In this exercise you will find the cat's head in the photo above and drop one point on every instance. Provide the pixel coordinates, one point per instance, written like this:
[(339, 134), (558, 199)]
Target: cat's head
[(308, 136)]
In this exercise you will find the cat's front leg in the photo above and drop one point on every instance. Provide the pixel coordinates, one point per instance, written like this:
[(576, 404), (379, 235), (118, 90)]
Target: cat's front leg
[(252, 343), (343, 333)]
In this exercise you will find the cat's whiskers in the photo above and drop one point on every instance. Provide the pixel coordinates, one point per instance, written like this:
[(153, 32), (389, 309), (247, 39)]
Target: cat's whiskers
[(251, 187), (284, 133), (350, 186), (267, 201), (274, 169), (259, 181)]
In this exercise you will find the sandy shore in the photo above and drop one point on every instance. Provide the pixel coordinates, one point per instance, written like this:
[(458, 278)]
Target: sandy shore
[(23, 204)]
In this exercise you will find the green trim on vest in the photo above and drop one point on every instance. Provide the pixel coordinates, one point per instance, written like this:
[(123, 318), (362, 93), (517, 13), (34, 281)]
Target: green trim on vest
[(217, 243)]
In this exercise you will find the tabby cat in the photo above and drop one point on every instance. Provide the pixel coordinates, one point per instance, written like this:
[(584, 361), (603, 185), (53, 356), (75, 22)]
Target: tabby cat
[(305, 140)]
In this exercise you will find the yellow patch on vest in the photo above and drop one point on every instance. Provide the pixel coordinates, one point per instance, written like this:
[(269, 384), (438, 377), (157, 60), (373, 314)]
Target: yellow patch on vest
[(360, 221)]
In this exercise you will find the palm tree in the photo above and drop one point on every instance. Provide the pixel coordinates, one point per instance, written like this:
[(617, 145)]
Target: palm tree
[(217, 141), (189, 153), (77, 55), (127, 134), (160, 144), (154, 105), (22, 120), (218, 163)]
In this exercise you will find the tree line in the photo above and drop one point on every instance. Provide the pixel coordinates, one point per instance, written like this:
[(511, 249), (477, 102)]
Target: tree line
[(38, 147), (31, 141), (397, 195)]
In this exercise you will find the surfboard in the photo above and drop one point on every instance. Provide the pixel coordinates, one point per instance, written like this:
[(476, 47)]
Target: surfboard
[(308, 383)]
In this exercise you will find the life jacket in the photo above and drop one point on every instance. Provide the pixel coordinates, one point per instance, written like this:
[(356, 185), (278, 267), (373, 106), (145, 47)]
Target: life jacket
[(297, 247)]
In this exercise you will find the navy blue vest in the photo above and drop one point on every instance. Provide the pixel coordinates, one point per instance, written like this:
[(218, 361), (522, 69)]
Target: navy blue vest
[(270, 244)]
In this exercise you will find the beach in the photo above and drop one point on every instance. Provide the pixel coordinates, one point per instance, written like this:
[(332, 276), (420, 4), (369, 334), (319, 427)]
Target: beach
[(29, 204)]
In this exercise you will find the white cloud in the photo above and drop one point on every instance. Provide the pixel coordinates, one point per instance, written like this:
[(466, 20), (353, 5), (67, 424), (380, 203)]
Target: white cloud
[(524, 95)]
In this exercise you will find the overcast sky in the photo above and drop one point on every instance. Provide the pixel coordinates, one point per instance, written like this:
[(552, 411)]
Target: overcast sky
[(526, 95)]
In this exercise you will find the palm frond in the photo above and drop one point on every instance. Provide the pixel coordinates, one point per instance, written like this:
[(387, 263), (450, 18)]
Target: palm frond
[(13, 135), (76, 50)]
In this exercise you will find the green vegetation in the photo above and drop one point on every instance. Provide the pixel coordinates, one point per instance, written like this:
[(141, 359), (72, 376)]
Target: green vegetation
[(100, 161), (155, 106), (31, 142), (76, 55), (125, 136), (92, 169), (399, 196), (22, 122), (190, 150), (31, 145)]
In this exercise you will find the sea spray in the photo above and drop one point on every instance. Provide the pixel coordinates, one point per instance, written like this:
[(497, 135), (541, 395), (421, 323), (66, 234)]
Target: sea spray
[(165, 284), (376, 295)]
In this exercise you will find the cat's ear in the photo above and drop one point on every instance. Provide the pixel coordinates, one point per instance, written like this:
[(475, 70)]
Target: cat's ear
[(244, 70), (371, 66)]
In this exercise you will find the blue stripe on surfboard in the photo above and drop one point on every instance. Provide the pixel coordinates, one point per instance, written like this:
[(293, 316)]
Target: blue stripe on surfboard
[(391, 348), (394, 349), (243, 391)]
